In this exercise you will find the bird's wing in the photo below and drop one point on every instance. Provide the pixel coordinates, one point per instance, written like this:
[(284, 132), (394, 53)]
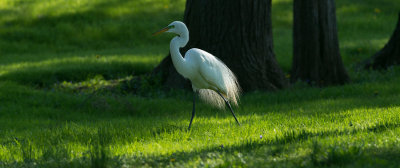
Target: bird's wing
[(212, 70)]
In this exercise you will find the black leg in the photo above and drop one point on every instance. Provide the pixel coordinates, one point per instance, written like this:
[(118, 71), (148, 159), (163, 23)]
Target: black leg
[(194, 102), (229, 105)]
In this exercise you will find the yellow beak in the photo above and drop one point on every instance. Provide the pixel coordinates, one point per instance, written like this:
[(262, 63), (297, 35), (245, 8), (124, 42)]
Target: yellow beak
[(161, 31)]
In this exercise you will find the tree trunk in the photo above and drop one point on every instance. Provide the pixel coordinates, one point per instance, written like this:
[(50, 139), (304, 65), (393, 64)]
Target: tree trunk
[(239, 33), (316, 57), (390, 54)]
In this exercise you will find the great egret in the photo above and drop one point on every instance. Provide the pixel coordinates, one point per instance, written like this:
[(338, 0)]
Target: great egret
[(209, 76)]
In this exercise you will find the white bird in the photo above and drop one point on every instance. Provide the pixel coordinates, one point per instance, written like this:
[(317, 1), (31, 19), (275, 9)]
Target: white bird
[(210, 77)]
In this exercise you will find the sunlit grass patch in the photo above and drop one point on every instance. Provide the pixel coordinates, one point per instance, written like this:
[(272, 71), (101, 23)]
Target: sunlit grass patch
[(33, 26), (91, 85)]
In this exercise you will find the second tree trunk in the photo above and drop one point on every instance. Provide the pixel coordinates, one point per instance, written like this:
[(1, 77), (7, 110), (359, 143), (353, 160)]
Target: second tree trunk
[(316, 57)]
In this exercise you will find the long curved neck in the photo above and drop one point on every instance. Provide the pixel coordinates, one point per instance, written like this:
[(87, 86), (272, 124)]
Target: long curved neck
[(177, 59)]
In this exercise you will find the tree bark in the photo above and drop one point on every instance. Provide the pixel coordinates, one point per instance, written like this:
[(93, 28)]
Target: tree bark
[(316, 57), (390, 54), (238, 32)]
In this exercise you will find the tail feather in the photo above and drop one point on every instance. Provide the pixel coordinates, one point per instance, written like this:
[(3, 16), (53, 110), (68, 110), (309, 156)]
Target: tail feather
[(231, 92), (233, 88), (211, 97)]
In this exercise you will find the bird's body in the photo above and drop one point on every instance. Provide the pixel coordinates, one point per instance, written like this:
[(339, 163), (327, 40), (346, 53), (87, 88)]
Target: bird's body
[(209, 76)]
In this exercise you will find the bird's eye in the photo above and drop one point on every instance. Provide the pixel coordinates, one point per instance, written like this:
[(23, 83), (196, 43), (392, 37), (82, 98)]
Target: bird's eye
[(172, 26)]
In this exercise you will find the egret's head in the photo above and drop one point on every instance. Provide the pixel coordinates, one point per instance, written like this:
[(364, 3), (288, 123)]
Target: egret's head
[(176, 27)]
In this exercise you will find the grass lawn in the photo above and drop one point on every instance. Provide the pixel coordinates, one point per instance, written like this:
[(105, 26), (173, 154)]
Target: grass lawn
[(64, 101)]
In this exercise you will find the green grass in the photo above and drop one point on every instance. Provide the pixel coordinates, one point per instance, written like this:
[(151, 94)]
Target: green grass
[(65, 102), (49, 68)]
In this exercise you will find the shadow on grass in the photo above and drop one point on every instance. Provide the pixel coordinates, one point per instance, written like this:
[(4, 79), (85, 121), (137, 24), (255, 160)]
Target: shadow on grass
[(45, 70), (116, 103)]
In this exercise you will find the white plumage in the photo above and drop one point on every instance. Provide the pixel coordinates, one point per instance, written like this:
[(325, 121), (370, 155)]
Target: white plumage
[(208, 74)]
